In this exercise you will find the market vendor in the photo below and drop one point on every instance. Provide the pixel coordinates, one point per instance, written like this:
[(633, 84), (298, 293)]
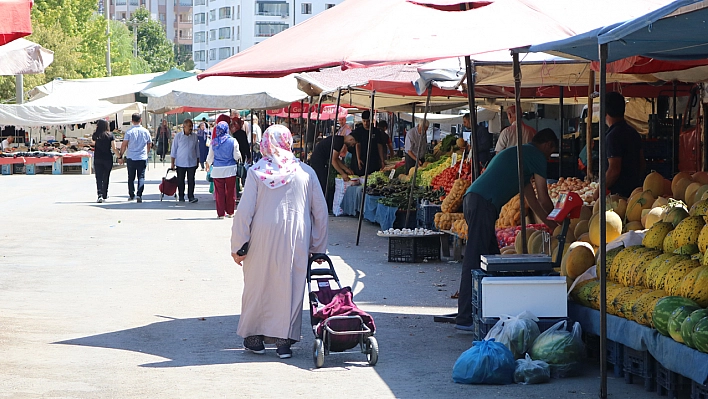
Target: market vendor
[(508, 136), (319, 160), (377, 143), (625, 157), (484, 139), (6, 144), (416, 145), (485, 198)]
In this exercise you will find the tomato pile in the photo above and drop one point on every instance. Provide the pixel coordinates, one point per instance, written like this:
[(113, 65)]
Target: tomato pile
[(507, 236), (446, 179)]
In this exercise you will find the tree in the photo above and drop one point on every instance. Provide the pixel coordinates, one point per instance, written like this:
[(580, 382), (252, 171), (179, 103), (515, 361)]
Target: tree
[(122, 60), (153, 45), (183, 57)]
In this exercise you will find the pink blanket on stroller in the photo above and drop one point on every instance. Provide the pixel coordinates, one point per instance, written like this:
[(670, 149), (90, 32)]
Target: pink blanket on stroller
[(343, 305)]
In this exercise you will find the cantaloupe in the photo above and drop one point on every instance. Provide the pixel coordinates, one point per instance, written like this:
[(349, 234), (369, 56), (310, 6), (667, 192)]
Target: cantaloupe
[(585, 212), (636, 203), (661, 201), (580, 258), (620, 207), (653, 216), (643, 220), (667, 188), (585, 237), (674, 182), (654, 182), (690, 194), (636, 191), (581, 228), (633, 226), (701, 177), (613, 228), (681, 187), (699, 194)]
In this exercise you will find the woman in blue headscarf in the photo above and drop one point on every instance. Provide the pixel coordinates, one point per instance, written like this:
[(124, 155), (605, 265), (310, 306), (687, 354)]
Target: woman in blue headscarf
[(223, 156)]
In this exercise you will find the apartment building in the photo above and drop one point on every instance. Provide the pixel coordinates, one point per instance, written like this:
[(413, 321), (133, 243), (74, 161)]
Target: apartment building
[(175, 15), (223, 28)]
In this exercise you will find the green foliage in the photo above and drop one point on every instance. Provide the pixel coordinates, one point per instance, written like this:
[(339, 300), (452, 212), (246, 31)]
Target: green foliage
[(183, 57), (153, 45)]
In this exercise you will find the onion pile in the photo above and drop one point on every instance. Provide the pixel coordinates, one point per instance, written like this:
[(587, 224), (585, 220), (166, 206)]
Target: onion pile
[(584, 189)]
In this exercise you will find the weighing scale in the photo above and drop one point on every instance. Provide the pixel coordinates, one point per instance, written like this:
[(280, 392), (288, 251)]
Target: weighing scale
[(568, 207)]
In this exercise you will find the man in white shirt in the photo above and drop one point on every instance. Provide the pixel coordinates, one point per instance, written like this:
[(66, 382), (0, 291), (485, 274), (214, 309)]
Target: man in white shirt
[(508, 136), (416, 145), (6, 144)]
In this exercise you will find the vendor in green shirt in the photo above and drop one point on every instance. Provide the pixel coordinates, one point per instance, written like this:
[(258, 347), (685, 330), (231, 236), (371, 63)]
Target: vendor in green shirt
[(484, 199)]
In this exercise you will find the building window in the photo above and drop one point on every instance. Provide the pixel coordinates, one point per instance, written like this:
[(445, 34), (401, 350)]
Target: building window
[(268, 29), (200, 37), (238, 11), (122, 15), (212, 54), (199, 2), (185, 18), (199, 19), (212, 15), (133, 2), (306, 8), (328, 6), (224, 33), (224, 12), (185, 34), (199, 56), (212, 34), (238, 32), (273, 8), (186, 3), (224, 53), (121, 2), (238, 49)]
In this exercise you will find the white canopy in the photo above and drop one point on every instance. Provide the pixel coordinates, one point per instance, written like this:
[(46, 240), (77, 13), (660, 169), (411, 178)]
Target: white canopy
[(29, 114), (116, 89), (24, 57), (225, 92)]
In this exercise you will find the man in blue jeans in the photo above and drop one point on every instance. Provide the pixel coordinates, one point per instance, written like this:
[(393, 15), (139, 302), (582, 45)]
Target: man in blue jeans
[(135, 147)]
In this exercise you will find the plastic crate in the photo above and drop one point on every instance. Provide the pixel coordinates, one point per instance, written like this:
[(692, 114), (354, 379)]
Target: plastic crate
[(426, 216), (657, 148), (639, 364), (662, 167), (482, 325), (615, 352), (670, 384), (413, 249), (699, 391)]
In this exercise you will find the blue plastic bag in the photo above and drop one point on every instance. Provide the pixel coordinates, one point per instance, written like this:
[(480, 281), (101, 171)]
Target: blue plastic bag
[(486, 362)]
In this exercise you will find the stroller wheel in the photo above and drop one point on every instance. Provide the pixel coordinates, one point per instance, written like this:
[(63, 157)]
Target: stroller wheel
[(318, 353), (161, 196), (372, 353)]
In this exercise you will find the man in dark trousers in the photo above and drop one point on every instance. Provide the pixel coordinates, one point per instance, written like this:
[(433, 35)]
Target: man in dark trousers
[(625, 158), (378, 141), (484, 140), (485, 198), (319, 161)]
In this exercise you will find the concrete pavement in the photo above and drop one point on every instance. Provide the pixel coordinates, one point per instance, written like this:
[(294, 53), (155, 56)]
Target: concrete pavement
[(127, 300)]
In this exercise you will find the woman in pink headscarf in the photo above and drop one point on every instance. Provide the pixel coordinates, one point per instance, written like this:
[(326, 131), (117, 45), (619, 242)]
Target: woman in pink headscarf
[(282, 215)]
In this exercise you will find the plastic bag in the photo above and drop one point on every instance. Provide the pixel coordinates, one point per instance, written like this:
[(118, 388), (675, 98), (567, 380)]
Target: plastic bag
[(486, 362), (340, 187), (561, 349), (531, 371), (517, 333)]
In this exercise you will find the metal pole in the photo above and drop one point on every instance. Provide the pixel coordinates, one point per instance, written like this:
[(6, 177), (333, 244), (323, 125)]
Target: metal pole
[(19, 89), (317, 122), (366, 166), (674, 134), (562, 131), (417, 151), (135, 39), (331, 149), (253, 132), (519, 152), (302, 136), (307, 131), (588, 125), (603, 228), (469, 68), (106, 10)]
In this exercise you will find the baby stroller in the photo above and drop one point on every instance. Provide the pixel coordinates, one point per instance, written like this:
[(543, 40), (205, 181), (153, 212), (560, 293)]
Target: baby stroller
[(169, 185), (338, 324)]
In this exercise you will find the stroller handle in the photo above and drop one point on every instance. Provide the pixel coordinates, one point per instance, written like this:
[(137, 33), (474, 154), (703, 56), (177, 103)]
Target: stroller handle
[(321, 271)]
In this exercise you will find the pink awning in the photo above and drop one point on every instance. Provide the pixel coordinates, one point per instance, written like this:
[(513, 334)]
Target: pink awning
[(16, 21), (418, 33)]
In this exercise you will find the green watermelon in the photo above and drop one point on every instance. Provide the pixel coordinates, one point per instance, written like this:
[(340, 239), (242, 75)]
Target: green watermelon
[(700, 335), (676, 319), (663, 310), (688, 325)]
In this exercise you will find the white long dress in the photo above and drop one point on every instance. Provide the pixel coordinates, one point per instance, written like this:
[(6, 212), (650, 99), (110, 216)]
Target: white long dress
[(283, 226)]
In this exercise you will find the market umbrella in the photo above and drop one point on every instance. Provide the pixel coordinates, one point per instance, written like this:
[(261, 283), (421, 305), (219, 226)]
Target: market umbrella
[(374, 38), (22, 56), (16, 21)]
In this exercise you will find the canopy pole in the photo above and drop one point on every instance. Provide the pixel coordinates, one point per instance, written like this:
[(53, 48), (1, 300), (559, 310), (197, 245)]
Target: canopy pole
[(366, 166), (588, 126), (331, 149), (562, 131), (307, 130), (603, 227), (253, 133), (317, 122), (674, 134), (469, 68), (19, 89), (424, 138), (519, 152), (302, 136)]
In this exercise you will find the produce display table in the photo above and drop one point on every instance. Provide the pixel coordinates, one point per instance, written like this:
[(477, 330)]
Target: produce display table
[(8, 163), (352, 200), (672, 355)]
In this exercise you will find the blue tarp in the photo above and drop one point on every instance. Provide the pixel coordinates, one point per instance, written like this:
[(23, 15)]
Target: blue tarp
[(678, 37), (385, 216), (351, 200), (676, 357), (370, 204)]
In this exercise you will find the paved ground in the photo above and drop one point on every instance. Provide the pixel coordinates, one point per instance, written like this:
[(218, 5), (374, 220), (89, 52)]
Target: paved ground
[(126, 300)]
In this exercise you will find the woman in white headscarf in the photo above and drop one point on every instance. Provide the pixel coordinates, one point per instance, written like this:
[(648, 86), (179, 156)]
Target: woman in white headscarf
[(282, 215)]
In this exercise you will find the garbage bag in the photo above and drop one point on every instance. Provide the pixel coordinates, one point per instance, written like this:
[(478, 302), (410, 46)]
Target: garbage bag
[(517, 333), (486, 362), (530, 371), (561, 349)]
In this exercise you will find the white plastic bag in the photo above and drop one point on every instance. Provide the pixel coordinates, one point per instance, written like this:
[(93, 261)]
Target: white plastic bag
[(530, 371), (563, 350), (340, 187), (516, 333)]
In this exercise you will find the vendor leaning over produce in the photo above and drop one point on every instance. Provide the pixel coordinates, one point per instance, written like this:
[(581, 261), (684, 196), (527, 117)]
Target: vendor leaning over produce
[(488, 194), (625, 157), (415, 150)]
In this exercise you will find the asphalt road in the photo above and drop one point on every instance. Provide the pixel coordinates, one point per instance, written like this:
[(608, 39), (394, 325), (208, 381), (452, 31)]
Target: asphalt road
[(127, 300)]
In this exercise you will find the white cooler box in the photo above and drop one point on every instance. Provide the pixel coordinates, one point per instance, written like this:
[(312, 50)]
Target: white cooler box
[(544, 296)]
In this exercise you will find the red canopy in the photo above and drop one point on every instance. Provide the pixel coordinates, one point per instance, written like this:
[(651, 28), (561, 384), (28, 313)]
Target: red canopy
[(642, 65), (16, 21), (420, 33)]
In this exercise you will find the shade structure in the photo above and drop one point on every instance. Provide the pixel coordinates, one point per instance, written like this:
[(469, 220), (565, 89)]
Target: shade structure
[(224, 93), (24, 57), (16, 21), (30, 115), (677, 31), (424, 34), (114, 89), (181, 110)]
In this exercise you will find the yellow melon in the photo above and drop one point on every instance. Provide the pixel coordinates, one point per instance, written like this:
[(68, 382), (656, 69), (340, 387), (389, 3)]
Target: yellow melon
[(661, 201), (690, 194), (633, 226), (674, 182), (613, 225), (636, 203), (701, 177), (585, 237), (654, 182), (635, 191), (681, 187), (581, 228), (653, 216), (580, 258), (585, 212), (620, 208), (699, 194)]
